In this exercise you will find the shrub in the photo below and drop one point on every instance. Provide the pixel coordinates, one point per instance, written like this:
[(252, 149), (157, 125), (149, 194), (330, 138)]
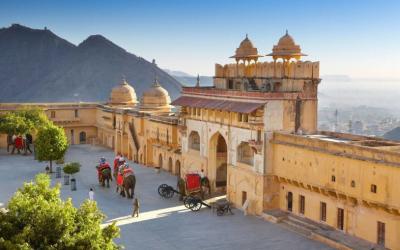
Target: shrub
[(72, 168)]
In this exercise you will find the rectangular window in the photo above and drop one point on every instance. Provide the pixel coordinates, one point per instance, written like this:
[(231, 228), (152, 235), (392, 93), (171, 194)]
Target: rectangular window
[(381, 234), (53, 114), (76, 113), (302, 204), (239, 117), (230, 84), (340, 218), (245, 118), (322, 216), (198, 112), (374, 188)]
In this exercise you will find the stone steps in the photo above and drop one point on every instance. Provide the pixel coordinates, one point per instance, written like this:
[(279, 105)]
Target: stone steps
[(318, 231)]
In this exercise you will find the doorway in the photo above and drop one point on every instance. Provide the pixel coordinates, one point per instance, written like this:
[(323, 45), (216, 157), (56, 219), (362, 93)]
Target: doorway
[(82, 137), (340, 218), (218, 160), (170, 165), (178, 168), (290, 201)]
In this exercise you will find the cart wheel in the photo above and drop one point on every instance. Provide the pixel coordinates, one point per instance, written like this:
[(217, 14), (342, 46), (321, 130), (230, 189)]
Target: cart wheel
[(161, 189), (186, 201), (189, 201), (196, 206)]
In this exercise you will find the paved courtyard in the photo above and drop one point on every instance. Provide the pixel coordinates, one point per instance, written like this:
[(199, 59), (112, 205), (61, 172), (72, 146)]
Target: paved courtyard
[(163, 224)]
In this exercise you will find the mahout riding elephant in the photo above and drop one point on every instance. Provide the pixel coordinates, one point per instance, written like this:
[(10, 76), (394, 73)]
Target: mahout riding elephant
[(129, 186), (105, 176)]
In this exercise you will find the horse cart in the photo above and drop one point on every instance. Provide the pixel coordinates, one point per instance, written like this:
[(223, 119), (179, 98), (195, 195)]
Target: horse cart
[(193, 194)]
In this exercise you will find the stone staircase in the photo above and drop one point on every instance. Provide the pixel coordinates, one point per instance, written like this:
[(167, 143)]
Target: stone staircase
[(318, 231), (132, 132)]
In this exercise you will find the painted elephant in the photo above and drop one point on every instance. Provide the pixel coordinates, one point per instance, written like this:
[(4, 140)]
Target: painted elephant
[(105, 176), (129, 186)]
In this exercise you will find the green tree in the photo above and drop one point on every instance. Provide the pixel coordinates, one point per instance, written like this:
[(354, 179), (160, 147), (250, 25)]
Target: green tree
[(51, 144), (22, 121), (37, 218), (12, 123)]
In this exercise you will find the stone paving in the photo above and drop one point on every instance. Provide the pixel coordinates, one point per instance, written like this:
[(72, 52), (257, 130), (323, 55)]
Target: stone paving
[(163, 224)]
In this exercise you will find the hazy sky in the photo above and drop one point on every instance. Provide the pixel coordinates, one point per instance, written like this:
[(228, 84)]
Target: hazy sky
[(358, 38)]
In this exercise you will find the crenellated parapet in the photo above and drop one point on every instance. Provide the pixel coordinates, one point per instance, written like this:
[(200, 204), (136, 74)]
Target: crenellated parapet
[(292, 69)]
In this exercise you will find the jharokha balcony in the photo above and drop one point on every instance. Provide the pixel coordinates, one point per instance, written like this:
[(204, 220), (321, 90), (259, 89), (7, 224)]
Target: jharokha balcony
[(256, 145)]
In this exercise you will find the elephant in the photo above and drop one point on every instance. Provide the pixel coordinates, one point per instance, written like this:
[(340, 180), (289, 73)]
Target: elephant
[(128, 185), (106, 176)]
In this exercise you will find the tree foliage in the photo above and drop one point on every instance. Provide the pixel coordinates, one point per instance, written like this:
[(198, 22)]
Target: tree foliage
[(22, 121), (51, 143), (37, 218)]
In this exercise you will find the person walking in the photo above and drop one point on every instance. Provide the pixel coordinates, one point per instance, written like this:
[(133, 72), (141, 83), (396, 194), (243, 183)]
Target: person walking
[(29, 141), (91, 194), (136, 207)]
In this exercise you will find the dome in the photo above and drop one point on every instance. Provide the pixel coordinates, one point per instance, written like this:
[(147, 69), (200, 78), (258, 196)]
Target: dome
[(286, 48), (246, 51), (156, 98), (286, 40), (123, 94)]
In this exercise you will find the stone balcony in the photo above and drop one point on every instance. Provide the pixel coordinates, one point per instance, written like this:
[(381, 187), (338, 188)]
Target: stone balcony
[(256, 145)]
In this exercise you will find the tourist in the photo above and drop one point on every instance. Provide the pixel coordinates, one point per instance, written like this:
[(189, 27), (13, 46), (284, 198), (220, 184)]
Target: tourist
[(202, 177), (136, 207), (29, 141), (91, 194), (10, 141)]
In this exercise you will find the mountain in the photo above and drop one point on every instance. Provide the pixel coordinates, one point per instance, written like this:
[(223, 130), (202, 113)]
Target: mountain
[(38, 66), (190, 80), (177, 73), (393, 134)]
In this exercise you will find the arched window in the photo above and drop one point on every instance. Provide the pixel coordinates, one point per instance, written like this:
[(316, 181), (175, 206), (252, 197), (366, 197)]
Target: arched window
[(194, 140), (82, 137), (245, 153)]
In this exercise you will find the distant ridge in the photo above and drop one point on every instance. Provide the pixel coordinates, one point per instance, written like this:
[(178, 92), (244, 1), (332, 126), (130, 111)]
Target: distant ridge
[(38, 66), (393, 134)]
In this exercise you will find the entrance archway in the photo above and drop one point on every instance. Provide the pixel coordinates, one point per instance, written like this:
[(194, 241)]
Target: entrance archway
[(218, 156), (82, 137), (178, 168), (170, 165)]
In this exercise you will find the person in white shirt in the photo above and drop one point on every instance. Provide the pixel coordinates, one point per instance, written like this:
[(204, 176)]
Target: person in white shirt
[(91, 194)]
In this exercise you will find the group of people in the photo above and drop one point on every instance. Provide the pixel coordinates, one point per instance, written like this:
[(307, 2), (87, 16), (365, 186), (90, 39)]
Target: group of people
[(121, 170), (19, 142)]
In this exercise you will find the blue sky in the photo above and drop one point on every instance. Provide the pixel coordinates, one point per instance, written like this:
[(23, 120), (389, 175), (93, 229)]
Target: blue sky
[(356, 38)]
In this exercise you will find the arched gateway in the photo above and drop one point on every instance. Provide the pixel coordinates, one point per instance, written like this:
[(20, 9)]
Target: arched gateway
[(218, 160)]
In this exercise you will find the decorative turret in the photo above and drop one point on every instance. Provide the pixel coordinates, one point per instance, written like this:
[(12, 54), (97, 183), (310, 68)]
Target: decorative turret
[(246, 51), (123, 94), (286, 49)]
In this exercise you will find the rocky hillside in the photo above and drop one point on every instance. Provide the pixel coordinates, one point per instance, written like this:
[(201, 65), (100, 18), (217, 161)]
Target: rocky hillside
[(38, 66), (393, 134)]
